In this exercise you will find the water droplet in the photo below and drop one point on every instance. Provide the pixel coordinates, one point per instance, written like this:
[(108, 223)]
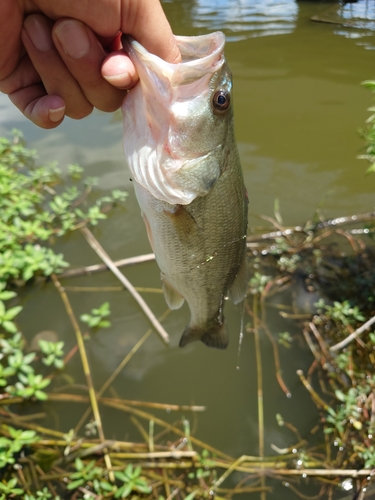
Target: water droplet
[(347, 485), (370, 436), (288, 395), (341, 448), (168, 410), (294, 450), (299, 462), (286, 484), (304, 476), (335, 443)]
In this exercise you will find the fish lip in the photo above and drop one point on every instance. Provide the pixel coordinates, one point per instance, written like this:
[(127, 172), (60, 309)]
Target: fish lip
[(196, 61)]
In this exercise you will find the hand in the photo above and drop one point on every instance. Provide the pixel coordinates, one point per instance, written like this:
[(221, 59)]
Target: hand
[(64, 58)]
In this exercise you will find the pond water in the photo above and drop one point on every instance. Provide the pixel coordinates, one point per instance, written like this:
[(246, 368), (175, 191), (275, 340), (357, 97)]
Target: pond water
[(298, 105)]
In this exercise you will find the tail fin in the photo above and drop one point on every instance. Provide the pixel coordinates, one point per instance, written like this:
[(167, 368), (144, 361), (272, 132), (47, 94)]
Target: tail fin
[(214, 336)]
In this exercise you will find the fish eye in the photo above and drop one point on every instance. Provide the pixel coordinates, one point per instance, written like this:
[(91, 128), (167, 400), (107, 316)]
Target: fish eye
[(221, 100)]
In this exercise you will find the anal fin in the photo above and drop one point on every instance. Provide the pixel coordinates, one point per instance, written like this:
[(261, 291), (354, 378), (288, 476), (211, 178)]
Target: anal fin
[(237, 291), (173, 299)]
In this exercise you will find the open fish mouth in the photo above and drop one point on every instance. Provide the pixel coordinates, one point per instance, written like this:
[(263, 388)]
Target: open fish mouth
[(156, 143), (200, 55)]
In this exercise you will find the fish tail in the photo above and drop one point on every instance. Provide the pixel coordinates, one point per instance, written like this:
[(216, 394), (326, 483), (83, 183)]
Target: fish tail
[(216, 336)]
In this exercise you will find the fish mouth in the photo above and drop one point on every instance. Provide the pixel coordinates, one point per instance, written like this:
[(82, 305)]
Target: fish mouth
[(201, 55), (155, 140)]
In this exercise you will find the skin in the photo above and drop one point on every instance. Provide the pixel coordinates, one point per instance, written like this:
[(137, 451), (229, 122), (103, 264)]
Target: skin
[(64, 57)]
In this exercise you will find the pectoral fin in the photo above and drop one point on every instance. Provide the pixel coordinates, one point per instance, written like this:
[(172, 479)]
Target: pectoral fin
[(183, 221), (173, 299), (237, 291)]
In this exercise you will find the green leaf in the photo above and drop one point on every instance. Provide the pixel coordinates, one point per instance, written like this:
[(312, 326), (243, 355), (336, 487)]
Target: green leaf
[(74, 484), (9, 326), (29, 358), (124, 491), (11, 313), (192, 495), (6, 295), (42, 396)]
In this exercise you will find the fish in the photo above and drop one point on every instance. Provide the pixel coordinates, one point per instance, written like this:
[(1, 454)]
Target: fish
[(179, 143)]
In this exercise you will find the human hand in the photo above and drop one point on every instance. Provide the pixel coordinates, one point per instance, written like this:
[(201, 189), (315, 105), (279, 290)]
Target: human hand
[(54, 55)]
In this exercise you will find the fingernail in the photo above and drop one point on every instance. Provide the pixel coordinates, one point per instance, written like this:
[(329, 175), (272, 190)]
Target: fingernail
[(73, 38), (38, 33), (55, 115), (122, 80)]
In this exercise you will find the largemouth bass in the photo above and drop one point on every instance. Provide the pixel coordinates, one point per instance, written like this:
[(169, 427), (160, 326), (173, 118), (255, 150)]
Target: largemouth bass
[(180, 146)]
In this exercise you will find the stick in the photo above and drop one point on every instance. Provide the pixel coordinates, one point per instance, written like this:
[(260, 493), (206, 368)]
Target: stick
[(353, 335), (95, 245), (317, 399), (97, 268), (118, 370), (330, 223), (86, 369)]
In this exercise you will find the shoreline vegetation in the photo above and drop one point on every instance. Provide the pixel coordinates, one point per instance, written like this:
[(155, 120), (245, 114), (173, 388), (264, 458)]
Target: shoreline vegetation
[(320, 276)]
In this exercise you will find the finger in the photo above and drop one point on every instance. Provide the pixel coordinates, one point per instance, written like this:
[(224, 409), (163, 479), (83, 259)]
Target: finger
[(119, 71), (25, 90), (55, 76), (83, 55), (46, 111), (10, 43), (150, 28), (143, 19)]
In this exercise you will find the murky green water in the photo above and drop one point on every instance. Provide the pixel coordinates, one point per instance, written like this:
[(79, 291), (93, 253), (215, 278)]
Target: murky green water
[(298, 104)]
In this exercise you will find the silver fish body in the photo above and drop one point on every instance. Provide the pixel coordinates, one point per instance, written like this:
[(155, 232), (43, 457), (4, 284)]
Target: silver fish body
[(180, 146)]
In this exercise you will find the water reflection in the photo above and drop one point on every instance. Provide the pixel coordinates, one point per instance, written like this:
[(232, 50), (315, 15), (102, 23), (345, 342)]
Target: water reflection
[(246, 18), (356, 20)]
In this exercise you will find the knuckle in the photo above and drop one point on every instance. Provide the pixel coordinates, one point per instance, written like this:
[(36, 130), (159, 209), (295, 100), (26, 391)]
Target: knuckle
[(7, 86), (82, 112)]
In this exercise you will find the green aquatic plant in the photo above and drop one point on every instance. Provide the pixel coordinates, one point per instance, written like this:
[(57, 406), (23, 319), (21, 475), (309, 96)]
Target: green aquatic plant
[(341, 312), (8, 489), (132, 481), (368, 133), (43, 494), (85, 474), (53, 352), (7, 315), (30, 385), (36, 204), (258, 283), (95, 319), (17, 440)]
